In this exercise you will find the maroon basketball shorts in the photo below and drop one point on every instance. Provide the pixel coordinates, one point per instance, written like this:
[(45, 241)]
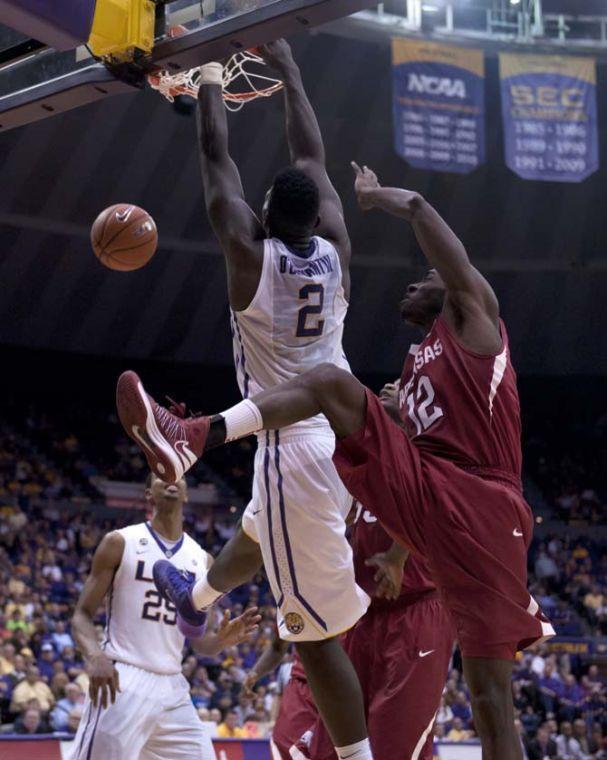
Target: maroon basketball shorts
[(401, 654), (297, 715), (473, 531)]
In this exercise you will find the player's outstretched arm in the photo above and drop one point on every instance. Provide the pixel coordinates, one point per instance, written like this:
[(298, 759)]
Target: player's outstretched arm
[(306, 145), (102, 673), (230, 633), (468, 291), (238, 230), (270, 659)]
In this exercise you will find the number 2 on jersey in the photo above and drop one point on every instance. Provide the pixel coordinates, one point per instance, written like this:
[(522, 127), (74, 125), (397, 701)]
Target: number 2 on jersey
[(315, 295), (420, 405)]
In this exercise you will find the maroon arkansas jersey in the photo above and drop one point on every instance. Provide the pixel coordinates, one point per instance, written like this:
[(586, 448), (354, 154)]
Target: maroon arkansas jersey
[(369, 538), (463, 406)]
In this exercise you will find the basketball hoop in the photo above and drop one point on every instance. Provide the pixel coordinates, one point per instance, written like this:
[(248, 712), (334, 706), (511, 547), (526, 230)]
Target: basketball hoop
[(236, 74)]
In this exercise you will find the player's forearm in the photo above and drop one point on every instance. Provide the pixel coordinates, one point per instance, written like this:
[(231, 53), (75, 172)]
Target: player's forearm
[(212, 123), (397, 553), (303, 133), (85, 635), (270, 659), (442, 248), (208, 645)]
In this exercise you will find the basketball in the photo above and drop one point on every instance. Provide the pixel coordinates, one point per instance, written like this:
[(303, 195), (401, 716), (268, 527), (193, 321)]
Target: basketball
[(124, 237)]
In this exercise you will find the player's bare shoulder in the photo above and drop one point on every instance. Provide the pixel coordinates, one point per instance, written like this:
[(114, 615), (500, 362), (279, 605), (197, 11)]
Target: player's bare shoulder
[(110, 550)]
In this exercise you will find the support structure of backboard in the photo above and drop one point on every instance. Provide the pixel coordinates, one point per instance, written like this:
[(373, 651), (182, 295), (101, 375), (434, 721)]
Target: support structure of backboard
[(215, 30)]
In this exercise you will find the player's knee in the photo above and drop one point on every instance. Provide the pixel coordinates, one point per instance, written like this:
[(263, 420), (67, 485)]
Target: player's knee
[(326, 380)]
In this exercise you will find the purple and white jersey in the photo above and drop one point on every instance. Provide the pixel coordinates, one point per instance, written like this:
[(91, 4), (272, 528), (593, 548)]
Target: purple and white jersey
[(294, 322), (141, 626)]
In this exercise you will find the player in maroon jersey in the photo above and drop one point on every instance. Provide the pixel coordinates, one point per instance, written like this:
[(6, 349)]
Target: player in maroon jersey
[(400, 650), (449, 488), (298, 713)]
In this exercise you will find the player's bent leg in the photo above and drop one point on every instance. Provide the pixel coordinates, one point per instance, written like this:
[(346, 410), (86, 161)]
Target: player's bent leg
[(172, 445), (235, 564), (336, 690), (490, 684), (326, 389)]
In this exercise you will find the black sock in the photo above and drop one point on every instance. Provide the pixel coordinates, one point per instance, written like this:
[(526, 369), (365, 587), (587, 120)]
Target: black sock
[(217, 433)]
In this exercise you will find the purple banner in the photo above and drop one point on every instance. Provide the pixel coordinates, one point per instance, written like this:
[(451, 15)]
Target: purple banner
[(439, 105), (62, 25), (550, 116)]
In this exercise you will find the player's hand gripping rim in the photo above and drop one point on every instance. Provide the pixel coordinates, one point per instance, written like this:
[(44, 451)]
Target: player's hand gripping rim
[(104, 680), (239, 630)]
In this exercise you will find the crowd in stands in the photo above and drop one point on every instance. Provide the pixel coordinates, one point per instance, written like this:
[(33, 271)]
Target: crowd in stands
[(44, 560), (560, 707), (57, 457), (46, 549)]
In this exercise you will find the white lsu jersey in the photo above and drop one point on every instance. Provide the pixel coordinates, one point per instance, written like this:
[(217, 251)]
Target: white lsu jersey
[(141, 627), (294, 322)]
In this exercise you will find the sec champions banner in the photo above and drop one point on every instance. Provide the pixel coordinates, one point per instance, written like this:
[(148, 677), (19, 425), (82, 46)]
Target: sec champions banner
[(438, 105), (550, 116)]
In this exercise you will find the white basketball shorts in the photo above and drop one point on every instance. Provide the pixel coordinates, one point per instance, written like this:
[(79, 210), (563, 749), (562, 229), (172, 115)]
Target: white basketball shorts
[(297, 515), (153, 718)]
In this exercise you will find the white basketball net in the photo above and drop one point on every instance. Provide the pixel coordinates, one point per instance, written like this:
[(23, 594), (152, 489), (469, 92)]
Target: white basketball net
[(188, 82)]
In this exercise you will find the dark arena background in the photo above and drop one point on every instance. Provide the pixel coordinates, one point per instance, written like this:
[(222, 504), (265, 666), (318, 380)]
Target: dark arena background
[(69, 326)]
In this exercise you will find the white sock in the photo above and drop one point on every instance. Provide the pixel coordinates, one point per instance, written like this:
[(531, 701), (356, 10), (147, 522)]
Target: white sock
[(242, 420), (203, 594), (358, 751)]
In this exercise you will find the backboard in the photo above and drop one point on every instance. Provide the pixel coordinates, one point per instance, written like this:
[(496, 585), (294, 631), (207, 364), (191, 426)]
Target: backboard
[(38, 82)]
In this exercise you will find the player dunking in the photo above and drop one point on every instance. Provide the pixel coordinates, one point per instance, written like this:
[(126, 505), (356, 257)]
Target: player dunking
[(288, 287), (452, 492), (139, 706)]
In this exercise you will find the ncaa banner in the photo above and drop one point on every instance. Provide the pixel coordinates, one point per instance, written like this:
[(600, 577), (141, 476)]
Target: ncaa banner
[(550, 116), (438, 105)]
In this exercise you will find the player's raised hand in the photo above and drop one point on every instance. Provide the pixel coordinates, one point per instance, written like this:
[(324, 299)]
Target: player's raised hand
[(104, 681), (276, 54), (232, 632), (365, 182)]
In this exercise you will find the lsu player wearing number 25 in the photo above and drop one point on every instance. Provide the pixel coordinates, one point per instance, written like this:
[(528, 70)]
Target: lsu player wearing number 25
[(139, 706)]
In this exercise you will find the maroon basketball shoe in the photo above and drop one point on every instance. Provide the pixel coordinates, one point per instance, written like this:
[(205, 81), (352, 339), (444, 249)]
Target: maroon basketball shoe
[(170, 444)]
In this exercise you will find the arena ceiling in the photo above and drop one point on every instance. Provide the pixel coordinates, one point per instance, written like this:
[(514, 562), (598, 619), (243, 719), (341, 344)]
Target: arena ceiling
[(544, 246)]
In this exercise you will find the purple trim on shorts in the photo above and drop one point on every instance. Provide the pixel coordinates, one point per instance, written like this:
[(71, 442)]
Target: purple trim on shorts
[(285, 533), (88, 754), (247, 379), (266, 474), (167, 552)]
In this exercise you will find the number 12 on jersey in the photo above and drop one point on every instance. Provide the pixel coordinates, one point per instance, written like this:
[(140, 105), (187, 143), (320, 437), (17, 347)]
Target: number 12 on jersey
[(315, 295), (421, 409)]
